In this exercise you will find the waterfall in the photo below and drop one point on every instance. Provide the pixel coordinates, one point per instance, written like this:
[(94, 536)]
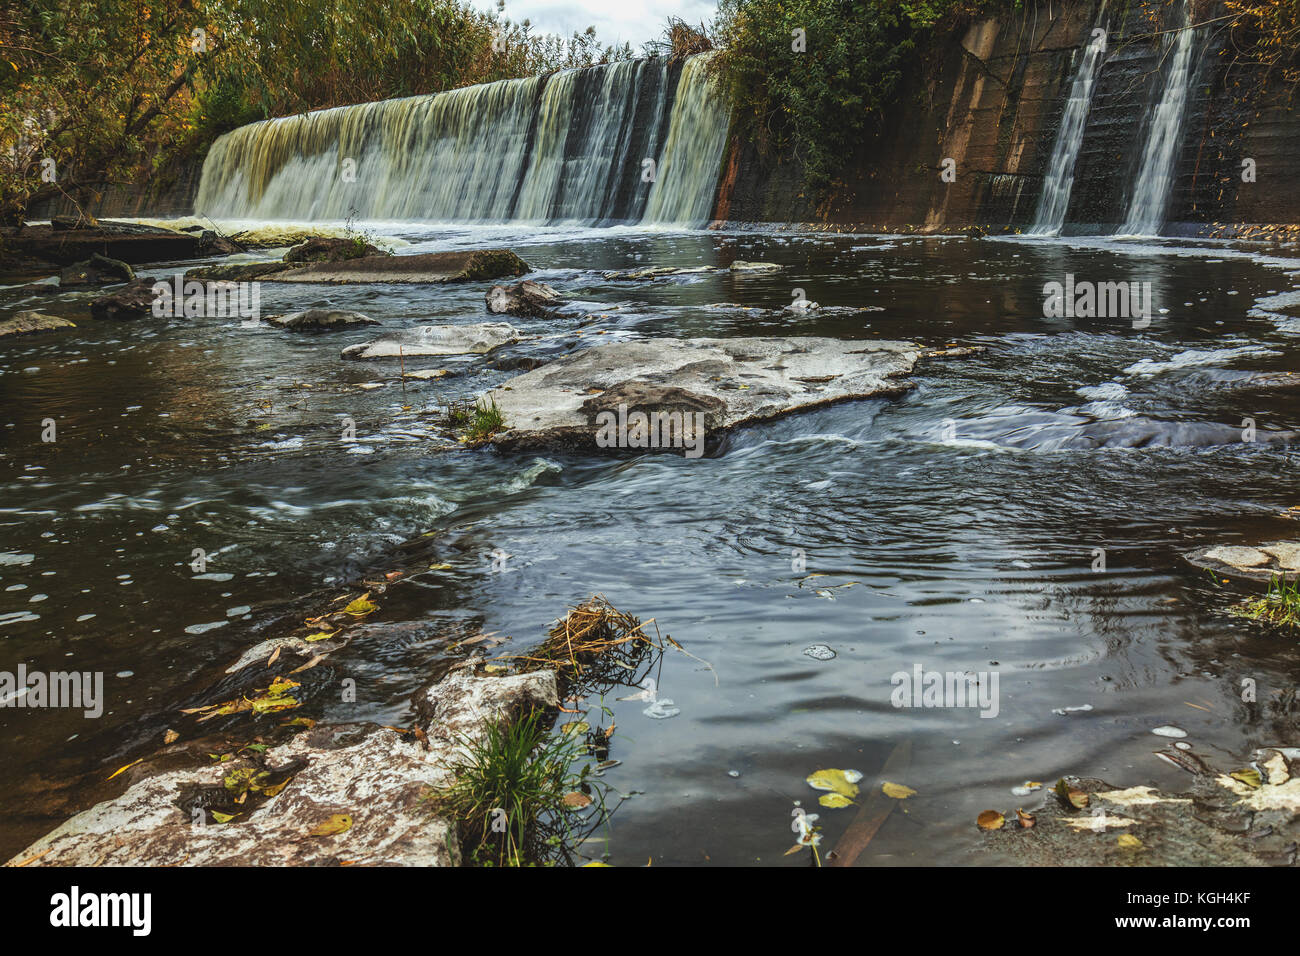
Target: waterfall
[(692, 157), (570, 147), (1054, 202), (1146, 211)]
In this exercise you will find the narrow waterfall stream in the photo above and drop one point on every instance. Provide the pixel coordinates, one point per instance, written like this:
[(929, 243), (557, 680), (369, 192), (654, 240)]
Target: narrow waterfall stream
[(571, 148), (1059, 183), (1146, 211)]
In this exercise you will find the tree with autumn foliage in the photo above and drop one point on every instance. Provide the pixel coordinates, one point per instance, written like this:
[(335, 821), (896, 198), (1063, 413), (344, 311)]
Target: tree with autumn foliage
[(103, 91)]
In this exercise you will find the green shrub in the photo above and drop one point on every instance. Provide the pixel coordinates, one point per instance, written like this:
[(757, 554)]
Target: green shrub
[(823, 102)]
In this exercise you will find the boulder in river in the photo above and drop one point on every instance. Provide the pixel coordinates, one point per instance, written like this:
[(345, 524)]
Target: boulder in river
[(129, 302), (527, 298), (29, 322), (591, 399), (429, 267), (476, 339), (331, 249), (362, 788), (97, 270), (321, 320)]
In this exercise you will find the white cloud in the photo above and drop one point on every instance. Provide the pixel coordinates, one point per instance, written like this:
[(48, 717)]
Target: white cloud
[(616, 21)]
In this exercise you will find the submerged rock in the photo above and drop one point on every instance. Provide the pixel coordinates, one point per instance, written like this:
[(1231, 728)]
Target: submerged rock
[(525, 298), (1139, 432), (321, 320), (129, 302), (656, 272), (1218, 821), (29, 322), (234, 271), (376, 778), (586, 400), (97, 270), (477, 339), (429, 267), (660, 272)]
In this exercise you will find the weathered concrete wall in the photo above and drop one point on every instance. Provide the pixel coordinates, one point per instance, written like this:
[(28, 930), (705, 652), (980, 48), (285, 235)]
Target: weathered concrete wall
[(169, 192), (991, 96)]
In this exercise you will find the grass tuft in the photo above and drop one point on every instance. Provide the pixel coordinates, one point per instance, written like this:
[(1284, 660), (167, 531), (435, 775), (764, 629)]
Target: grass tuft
[(477, 422), (1280, 606), (510, 794)]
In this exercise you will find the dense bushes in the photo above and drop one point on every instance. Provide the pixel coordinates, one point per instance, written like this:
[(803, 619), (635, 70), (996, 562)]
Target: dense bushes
[(812, 76)]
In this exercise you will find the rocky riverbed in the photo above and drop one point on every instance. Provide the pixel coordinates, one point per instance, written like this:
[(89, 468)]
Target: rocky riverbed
[(1025, 508)]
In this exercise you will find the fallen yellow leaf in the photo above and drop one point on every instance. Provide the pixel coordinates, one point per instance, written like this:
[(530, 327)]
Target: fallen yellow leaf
[(336, 824)]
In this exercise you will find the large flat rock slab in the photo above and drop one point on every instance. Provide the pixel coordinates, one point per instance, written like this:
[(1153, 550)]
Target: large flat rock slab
[(138, 245), (573, 401), (380, 779), (430, 267)]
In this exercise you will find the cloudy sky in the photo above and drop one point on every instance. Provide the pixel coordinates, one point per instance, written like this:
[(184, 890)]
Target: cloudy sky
[(616, 21)]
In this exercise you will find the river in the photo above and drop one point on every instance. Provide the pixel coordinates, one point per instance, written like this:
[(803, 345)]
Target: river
[(967, 514)]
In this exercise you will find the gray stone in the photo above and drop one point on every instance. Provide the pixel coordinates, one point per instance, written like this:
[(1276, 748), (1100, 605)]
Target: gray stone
[(526, 298), (129, 302), (321, 320), (29, 322), (97, 270), (476, 339)]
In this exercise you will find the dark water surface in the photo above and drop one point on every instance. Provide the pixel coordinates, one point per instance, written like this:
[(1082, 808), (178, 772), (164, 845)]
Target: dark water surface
[(966, 513)]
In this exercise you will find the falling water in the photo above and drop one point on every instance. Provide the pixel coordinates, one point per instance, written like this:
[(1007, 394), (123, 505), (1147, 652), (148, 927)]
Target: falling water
[(1055, 200), (1146, 211), (697, 137), (617, 142)]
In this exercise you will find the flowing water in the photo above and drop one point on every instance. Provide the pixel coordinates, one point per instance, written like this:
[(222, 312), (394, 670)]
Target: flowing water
[(967, 514), (1054, 202), (629, 141), (1146, 211)]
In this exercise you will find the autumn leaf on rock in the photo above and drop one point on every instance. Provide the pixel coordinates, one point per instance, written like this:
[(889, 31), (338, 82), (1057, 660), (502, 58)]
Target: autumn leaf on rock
[(336, 824)]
